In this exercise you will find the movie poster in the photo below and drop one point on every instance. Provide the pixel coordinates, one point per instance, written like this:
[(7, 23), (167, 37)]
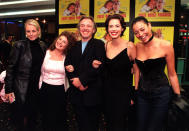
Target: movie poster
[(103, 8), (155, 10), (70, 11), (101, 34)]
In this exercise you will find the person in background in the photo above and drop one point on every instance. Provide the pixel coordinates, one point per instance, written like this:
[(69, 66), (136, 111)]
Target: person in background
[(119, 63), (53, 84), (85, 81), (5, 48), (153, 90), (22, 77)]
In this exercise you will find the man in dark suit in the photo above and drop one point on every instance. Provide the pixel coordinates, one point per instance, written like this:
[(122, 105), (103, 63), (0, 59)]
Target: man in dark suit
[(85, 81)]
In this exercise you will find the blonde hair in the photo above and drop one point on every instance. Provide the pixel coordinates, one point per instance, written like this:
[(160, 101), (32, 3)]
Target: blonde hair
[(34, 23)]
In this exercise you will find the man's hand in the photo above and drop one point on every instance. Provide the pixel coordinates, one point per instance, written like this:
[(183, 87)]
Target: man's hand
[(96, 64), (69, 68), (82, 88), (76, 82)]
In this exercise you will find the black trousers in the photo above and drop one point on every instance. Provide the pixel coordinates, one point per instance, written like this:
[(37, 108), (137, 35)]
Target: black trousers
[(53, 107), (25, 116), (87, 117)]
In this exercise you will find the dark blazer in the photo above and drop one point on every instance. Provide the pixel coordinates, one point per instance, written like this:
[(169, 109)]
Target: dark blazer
[(18, 70), (83, 69)]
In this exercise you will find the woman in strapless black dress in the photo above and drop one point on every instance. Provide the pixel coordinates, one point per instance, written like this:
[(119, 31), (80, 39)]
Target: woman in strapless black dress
[(154, 92)]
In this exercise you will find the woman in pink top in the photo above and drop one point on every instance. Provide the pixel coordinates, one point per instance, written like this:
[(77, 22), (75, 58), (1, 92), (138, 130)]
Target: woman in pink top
[(53, 84)]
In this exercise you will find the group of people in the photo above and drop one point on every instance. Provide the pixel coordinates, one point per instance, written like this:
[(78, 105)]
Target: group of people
[(97, 77)]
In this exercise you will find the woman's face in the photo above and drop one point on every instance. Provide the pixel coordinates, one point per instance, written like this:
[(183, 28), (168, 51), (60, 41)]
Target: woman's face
[(61, 43), (72, 8), (109, 6), (114, 28), (31, 32), (142, 31)]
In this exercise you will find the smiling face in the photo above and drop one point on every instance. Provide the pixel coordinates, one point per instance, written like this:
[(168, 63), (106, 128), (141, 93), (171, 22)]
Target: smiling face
[(86, 29), (142, 31), (114, 28), (109, 5), (61, 43), (31, 32)]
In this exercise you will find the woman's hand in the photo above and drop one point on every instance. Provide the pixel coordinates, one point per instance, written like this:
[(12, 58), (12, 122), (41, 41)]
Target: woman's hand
[(69, 68), (10, 97), (96, 64)]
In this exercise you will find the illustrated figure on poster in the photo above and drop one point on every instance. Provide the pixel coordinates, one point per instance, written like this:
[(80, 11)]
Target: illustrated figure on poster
[(111, 7), (150, 6), (158, 33), (154, 6), (107, 8), (70, 10), (160, 6), (116, 7), (73, 9)]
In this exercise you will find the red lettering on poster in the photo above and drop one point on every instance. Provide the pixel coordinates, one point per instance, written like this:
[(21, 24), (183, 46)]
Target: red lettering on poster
[(71, 18), (142, 14), (100, 16), (124, 15), (64, 18), (167, 14), (78, 17), (151, 14)]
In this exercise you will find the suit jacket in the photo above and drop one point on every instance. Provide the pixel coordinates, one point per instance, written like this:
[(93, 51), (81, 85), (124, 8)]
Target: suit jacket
[(83, 69)]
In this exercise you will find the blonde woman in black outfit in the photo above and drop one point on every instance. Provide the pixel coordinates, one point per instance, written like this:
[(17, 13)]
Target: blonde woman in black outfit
[(22, 77)]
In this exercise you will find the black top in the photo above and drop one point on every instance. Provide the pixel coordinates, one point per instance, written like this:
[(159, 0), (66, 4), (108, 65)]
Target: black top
[(37, 60), (152, 73), (118, 77)]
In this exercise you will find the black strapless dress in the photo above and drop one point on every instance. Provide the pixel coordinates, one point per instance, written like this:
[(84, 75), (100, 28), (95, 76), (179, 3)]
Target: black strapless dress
[(152, 73), (117, 81)]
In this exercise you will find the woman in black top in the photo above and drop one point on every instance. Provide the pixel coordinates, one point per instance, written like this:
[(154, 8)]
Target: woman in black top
[(22, 78), (154, 92)]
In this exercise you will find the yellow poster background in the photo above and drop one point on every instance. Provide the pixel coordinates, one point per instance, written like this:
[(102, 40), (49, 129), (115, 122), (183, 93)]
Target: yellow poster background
[(74, 17), (167, 14), (100, 12), (101, 31)]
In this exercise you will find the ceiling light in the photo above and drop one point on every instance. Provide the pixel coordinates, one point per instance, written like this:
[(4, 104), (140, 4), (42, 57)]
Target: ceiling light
[(27, 12), (21, 2)]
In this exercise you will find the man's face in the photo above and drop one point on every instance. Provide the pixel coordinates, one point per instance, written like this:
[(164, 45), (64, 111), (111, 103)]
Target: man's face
[(160, 4), (86, 29)]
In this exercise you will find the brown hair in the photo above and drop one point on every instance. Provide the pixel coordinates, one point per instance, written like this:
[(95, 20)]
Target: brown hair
[(71, 41)]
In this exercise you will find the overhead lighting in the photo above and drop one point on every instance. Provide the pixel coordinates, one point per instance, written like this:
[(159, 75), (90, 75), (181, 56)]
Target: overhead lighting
[(28, 12), (21, 2)]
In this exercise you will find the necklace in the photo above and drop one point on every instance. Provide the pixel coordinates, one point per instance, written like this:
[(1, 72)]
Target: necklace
[(150, 38)]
